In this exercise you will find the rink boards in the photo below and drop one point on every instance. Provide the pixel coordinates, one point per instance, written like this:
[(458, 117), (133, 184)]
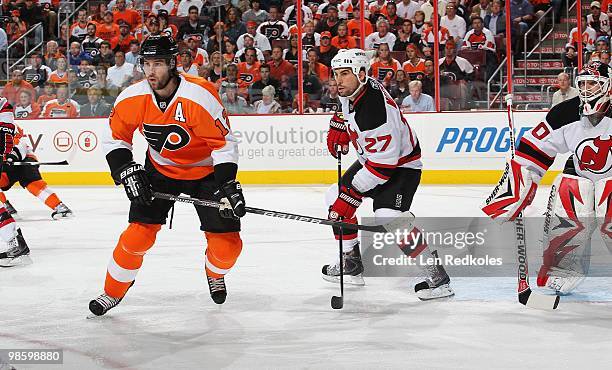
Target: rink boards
[(458, 148)]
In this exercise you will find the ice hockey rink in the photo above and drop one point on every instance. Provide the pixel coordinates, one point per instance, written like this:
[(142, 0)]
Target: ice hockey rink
[(278, 312)]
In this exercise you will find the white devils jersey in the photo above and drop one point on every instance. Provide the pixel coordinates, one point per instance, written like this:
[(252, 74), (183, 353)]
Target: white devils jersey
[(563, 131), (380, 134)]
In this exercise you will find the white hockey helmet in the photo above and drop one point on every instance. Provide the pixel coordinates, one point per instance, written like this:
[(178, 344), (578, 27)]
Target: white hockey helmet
[(355, 59), (593, 84)]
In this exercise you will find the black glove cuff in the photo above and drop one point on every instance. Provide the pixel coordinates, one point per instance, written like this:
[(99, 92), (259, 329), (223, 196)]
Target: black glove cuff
[(225, 172), (119, 159)]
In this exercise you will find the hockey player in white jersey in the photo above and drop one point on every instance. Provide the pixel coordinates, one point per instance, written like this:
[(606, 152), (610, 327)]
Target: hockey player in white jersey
[(388, 169), (580, 198)]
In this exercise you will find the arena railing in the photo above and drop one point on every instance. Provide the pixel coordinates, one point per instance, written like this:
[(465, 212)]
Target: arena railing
[(30, 41)]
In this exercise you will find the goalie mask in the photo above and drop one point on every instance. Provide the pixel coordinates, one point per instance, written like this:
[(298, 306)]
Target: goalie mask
[(593, 84)]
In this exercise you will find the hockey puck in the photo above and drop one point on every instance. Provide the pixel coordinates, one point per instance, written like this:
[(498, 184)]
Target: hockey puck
[(337, 302)]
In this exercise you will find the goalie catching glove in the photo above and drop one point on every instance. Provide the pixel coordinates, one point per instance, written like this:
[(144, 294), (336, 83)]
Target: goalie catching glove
[(514, 192), (136, 183)]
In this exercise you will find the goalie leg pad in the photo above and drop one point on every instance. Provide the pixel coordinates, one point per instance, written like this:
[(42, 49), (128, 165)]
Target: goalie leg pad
[(603, 210), (514, 192), (569, 223)]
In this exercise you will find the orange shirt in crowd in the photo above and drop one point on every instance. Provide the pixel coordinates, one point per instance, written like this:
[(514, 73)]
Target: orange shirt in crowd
[(284, 68), (129, 16), (56, 78), (107, 32), (55, 109), (413, 70), (248, 74), (43, 99), (11, 92), (382, 70), (122, 43), (346, 42), (354, 28), (322, 72)]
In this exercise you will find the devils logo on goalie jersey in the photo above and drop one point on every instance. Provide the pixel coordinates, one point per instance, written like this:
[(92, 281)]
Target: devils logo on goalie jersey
[(595, 154)]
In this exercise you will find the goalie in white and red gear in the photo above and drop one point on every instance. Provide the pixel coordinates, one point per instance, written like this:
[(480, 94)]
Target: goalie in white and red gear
[(581, 126)]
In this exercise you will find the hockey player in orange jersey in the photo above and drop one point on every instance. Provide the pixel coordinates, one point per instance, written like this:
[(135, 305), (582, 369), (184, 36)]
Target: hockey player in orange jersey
[(191, 150), (29, 178)]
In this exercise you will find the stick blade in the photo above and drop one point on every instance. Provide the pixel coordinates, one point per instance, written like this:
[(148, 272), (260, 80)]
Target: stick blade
[(539, 301)]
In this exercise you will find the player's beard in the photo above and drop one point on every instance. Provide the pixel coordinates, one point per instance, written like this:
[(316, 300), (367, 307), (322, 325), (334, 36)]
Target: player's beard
[(160, 83)]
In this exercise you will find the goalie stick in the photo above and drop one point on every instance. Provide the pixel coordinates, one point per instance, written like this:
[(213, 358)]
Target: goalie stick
[(403, 221), (525, 295), (24, 163)]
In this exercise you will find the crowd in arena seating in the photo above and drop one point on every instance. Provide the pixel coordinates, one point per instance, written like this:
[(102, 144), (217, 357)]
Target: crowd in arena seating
[(249, 49)]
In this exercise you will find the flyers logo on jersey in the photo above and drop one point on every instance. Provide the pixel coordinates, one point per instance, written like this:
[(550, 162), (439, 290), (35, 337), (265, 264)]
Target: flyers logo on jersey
[(595, 154), (169, 137)]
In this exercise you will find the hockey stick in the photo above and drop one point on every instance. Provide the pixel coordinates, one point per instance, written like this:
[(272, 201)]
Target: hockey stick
[(338, 302), (403, 221), (525, 295), (24, 163)]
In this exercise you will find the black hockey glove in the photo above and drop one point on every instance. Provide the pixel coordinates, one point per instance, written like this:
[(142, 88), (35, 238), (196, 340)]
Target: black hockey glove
[(232, 200), (136, 183)]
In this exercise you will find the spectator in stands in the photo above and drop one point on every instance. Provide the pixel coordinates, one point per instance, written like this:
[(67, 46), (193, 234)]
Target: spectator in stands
[(185, 6), (601, 44), (60, 75), (62, 106), (52, 54), (321, 9), (96, 106), (47, 94), (599, 21), (522, 15), (165, 26), (75, 55), (32, 13), (264, 80), (129, 16), (217, 41), (455, 73), (232, 77), (255, 13), (407, 8), (399, 87), (290, 16), (481, 9), (73, 83), (109, 92), (496, 20), (455, 24), (120, 75), (381, 35), (187, 66), (106, 56), (378, 9), (230, 51), (285, 94), (312, 85), (249, 43), (354, 25), (418, 22), (291, 54), (395, 21), (565, 92), (15, 27), (310, 38), (15, 86), (216, 68), (326, 50), (108, 29), (98, 12), (315, 68), (166, 5), (275, 28), (199, 55), (343, 40), (132, 55), (91, 43), (604, 57), (259, 41), (384, 66), (235, 27), (3, 39), (414, 66), (63, 36), (25, 108), (36, 73), (86, 77), (480, 38), (279, 66), (234, 103), (267, 104), (78, 29), (405, 36), (330, 23), (123, 40), (306, 106), (417, 101), (193, 25), (427, 52), (330, 101), (587, 39), (248, 71)]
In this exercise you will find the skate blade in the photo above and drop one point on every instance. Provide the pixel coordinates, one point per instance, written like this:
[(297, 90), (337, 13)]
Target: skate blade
[(348, 279), (443, 291), (15, 262), (62, 217)]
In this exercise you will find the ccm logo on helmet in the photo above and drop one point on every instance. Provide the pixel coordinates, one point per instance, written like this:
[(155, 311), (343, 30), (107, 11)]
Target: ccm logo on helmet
[(595, 154), (168, 137)]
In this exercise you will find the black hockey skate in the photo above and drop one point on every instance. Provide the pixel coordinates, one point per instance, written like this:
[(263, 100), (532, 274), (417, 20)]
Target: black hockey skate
[(437, 285), (104, 303), (353, 268), (218, 291), (17, 254), (61, 211)]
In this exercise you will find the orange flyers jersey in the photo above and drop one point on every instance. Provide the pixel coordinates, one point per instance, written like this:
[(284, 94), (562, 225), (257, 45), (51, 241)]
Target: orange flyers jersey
[(443, 32), (53, 109), (200, 57), (385, 70), (248, 74), (413, 70), (57, 77), (186, 140), (106, 32)]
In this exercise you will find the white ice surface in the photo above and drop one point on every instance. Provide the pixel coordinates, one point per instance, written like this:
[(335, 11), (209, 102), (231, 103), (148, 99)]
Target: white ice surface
[(278, 312)]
